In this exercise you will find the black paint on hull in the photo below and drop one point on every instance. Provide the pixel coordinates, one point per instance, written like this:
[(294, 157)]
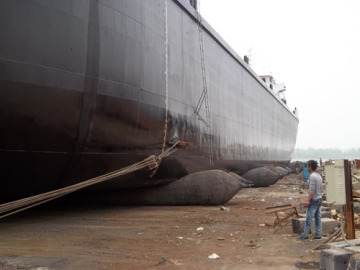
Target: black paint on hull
[(82, 93)]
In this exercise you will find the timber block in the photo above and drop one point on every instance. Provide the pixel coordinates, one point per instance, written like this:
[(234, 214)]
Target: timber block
[(334, 259), (329, 225)]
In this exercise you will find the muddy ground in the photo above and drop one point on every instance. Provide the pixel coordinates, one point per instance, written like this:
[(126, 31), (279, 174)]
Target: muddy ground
[(148, 237)]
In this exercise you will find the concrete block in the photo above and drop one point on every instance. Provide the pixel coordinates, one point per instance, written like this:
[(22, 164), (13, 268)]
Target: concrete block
[(302, 208), (354, 242), (357, 207), (338, 207), (298, 225), (328, 204), (334, 259), (343, 244), (354, 263), (353, 249), (328, 225), (325, 214), (356, 185), (334, 245)]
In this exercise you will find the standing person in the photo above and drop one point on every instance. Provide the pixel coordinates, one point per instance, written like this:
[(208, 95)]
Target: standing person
[(313, 203), (295, 111)]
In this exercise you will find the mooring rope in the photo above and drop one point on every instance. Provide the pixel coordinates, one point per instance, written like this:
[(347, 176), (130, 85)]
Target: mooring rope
[(152, 162)]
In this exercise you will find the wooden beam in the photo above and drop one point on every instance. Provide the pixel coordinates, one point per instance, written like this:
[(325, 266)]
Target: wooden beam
[(350, 226)]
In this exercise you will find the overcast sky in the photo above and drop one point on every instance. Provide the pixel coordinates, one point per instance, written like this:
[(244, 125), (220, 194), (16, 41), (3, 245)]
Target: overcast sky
[(313, 46)]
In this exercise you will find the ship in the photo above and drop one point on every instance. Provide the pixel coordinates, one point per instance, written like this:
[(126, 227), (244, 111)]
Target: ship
[(88, 87)]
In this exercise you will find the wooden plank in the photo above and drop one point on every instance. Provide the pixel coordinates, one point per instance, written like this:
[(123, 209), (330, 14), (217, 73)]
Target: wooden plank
[(279, 206), (280, 210)]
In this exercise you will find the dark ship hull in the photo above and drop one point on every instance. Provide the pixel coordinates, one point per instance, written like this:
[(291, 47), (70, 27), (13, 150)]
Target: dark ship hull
[(85, 87)]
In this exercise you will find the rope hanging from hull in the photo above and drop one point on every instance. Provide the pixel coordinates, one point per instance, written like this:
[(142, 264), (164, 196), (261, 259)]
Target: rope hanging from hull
[(152, 162)]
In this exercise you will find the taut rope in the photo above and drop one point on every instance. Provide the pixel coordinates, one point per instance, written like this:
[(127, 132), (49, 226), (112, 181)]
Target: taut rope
[(10, 208)]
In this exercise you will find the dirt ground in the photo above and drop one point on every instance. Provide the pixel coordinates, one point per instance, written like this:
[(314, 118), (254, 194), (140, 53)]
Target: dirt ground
[(148, 237)]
